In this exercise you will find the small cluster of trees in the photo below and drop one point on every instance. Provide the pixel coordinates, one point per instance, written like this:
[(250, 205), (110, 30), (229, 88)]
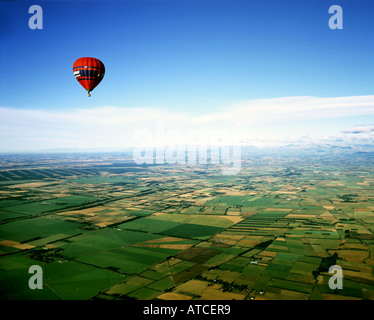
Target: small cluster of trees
[(47, 255), (226, 286)]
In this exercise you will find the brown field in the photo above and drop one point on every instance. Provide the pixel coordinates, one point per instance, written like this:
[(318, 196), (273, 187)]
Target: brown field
[(329, 207), (283, 295), (173, 296), (370, 261), (114, 213), (247, 242), (337, 297), (327, 216), (355, 266), (362, 210), (173, 261), (358, 246), (186, 195), (61, 195), (193, 287), (166, 239), (300, 216), (236, 193), (103, 224), (23, 246), (201, 202), (15, 244), (358, 276), (165, 246), (214, 293), (352, 255), (29, 185), (278, 209), (285, 192), (227, 238), (233, 219), (268, 253), (280, 239), (157, 213), (232, 213), (8, 243)]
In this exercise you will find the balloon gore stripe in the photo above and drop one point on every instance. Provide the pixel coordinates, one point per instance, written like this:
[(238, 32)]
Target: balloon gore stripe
[(89, 72)]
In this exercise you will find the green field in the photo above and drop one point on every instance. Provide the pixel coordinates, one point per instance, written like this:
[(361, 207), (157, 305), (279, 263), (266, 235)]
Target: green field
[(39, 207), (118, 231), (38, 227)]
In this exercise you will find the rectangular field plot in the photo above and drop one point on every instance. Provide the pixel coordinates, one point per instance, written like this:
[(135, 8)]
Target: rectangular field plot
[(125, 250), (149, 225), (182, 225), (193, 231), (38, 227), (5, 215), (74, 280), (162, 284), (11, 203), (269, 214), (36, 174), (39, 207), (14, 279), (291, 285), (103, 239), (100, 180), (215, 221), (316, 234), (129, 260), (66, 280)]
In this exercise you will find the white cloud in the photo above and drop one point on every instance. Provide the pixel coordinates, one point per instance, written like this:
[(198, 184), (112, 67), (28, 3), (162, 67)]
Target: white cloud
[(363, 129), (292, 109), (114, 127)]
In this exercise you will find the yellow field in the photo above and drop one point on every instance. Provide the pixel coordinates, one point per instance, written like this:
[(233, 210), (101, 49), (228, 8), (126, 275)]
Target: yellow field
[(338, 297), (278, 209), (249, 241), (283, 295), (300, 216), (165, 246), (201, 288), (194, 287), (352, 255), (157, 213), (15, 244), (268, 253), (173, 296), (233, 219), (213, 293), (228, 238), (232, 213), (166, 239), (28, 185), (329, 207), (8, 243), (358, 276)]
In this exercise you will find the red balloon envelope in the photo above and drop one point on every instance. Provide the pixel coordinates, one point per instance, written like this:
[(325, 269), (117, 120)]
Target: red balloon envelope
[(89, 72)]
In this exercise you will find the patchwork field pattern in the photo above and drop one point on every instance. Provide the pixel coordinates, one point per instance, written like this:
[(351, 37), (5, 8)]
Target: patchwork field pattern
[(104, 228)]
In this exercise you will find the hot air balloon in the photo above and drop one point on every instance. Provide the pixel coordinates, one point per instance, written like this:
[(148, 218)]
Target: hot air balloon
[(89, 72)]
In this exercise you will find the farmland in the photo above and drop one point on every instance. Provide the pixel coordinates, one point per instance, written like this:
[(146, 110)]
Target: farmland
[(102, 227)]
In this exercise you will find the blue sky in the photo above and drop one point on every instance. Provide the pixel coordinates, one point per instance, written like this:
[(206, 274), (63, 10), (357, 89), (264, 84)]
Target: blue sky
[(194, 59)]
